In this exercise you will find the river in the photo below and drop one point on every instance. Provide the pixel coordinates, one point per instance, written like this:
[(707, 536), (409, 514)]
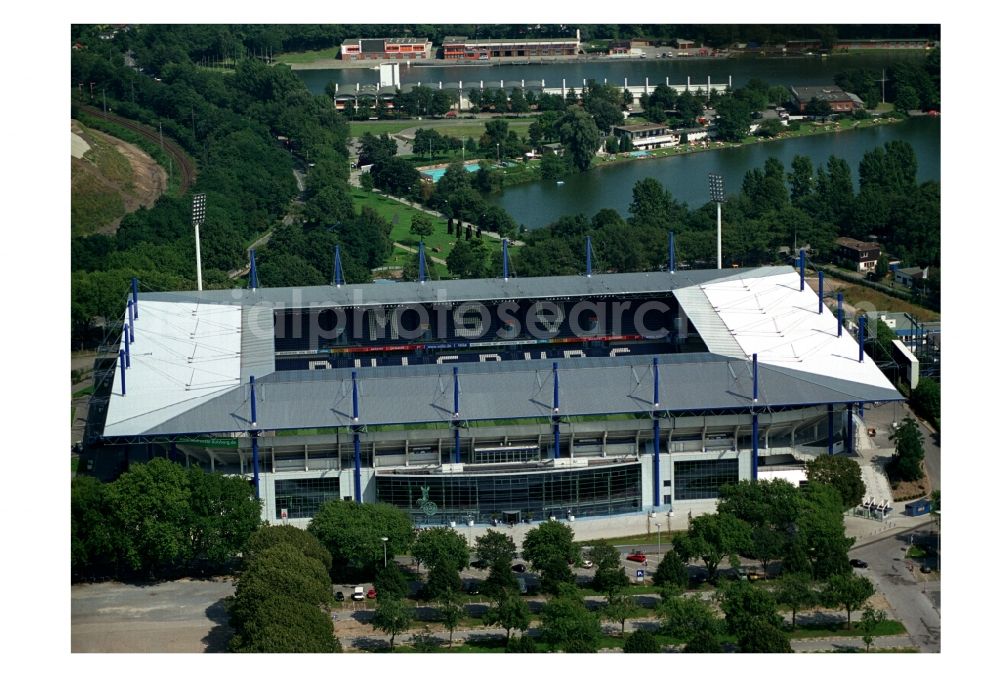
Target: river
[(686, 176), (537, 204), (785, 71)]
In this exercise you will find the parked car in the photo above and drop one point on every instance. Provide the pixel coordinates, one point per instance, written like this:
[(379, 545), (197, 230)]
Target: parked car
[(755, 575), (738, 574), (372, 593), (359, 594), (519, 568), (858, 563), (636, 556), (339, 596), (471, 588), (587, 563)]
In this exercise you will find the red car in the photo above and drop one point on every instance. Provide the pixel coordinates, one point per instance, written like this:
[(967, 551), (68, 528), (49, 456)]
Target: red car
[(638, 557), (372, 593)]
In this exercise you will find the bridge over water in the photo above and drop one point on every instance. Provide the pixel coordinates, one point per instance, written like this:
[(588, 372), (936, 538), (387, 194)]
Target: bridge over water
[(354, 95)]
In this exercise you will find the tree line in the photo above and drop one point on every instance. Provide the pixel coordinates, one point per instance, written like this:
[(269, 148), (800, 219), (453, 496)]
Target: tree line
[(160, 519)]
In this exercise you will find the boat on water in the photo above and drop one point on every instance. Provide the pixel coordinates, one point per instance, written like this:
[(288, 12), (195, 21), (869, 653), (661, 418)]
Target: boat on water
[(560, 182)]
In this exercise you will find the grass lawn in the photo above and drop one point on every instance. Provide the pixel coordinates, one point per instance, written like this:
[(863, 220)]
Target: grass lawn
[(915, 552), (403, 214), (646, 539), (308, 57), (73, 464), (887, 628), (863, 296), (459, 128)]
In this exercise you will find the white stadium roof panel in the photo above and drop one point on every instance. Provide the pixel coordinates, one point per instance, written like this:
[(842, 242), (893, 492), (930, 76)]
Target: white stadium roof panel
[(183, 354)]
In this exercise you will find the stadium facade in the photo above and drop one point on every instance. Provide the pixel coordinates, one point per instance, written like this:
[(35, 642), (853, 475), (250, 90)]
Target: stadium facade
[(486, 401)]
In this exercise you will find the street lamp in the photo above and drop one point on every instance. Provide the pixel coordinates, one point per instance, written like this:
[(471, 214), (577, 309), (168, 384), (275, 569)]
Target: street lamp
[(198, 219), (498, 154), (717, 192), (385, 554), (657, 540)]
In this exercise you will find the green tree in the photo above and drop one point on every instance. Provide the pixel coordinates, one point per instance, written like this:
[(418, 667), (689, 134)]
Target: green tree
[(442, 580), (224, 514), (906, 463), (496, 550), (795, 591), (521, 644), (469, 259), (392, 617), (819, 532), (906, 99), (619, 607), (713, 537), (611, 144), (95, 538), (152, 504), (801, 179), (671, 570), (554, 167), (610, 575), (840, 472), (353, 532), (549, 548), (286, 625), (689, 109), (732, 122), (749, 609), (685, 617), (641, 641), (440, 546), (450, 611), (870, 621), (848, 591), (567, 625), (764, 637), (367, 182), (269, 536), (390, 581), (704, 642), (509, 611), (281, 573), (770, 128), (926, 400), (581, 137)]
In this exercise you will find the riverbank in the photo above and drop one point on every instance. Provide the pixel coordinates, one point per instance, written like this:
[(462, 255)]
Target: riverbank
[(807, 129), (304, 61)]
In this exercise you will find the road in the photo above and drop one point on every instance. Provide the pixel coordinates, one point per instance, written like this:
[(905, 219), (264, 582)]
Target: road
[(914, 597)]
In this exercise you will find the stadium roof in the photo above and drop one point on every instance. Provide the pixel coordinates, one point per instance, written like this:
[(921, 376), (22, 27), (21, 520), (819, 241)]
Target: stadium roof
[(194, 352)]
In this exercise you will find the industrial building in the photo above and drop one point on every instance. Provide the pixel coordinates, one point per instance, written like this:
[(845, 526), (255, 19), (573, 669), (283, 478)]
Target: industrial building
[(392, 49), (488, 400), (460, 48)]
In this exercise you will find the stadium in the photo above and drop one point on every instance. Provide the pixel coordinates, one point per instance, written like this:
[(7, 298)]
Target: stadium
[(598, 398)]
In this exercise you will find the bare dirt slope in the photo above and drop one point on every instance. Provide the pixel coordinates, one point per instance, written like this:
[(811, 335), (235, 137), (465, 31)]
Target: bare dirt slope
[(112, 178)]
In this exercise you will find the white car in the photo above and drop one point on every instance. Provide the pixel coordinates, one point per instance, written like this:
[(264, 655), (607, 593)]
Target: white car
[(359, 594), (587, 563)]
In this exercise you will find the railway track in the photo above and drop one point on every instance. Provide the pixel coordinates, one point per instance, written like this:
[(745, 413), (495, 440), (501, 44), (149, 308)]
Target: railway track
[(184, 163)]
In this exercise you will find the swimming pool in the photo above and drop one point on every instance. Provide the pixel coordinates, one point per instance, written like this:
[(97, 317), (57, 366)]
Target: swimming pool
[(638, 153), (436, 174)]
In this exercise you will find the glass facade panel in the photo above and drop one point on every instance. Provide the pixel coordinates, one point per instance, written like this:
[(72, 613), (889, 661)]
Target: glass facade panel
[(303, 497), (591, 492), (701, 479)]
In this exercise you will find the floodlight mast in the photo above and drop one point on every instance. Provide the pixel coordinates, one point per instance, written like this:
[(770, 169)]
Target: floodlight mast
[(198, 218), (717, 192)]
